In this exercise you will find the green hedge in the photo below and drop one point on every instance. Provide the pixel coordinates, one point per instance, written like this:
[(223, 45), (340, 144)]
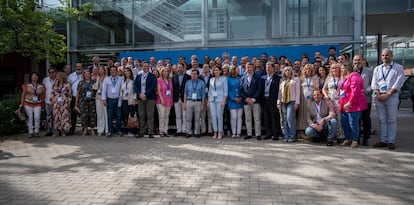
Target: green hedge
[(8, 123)]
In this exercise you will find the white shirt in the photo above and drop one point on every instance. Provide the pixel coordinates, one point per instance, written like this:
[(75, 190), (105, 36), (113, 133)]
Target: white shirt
[(111, 87), (49, 88), (74, 79), (388, 77)]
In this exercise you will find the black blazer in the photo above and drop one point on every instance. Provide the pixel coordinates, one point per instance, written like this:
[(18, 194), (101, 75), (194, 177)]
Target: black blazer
[(179, 90), (273, 90), (252, 91)]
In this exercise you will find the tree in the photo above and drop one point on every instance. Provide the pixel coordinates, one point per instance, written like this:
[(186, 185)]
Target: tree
[(27, 29)]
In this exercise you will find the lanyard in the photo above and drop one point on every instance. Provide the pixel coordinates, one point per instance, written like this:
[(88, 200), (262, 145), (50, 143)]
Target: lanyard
[(360, 71), (126, 84), (194, 87), (336, 83), (88, 86), (143, 79), (343, 83), (34, 88), (59, 90), (308, 81), (114, 81), (384, 76), (268, 81), (167, 84), (214, 84)]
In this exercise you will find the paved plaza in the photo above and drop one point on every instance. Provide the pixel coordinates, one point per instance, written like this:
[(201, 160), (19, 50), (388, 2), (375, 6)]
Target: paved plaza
[(176, 170)]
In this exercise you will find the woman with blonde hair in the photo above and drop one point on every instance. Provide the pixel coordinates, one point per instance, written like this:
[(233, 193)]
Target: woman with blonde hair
[(331, 92), (308, 83), (164, 100), (289, 101), (351, 103), (61, 98), (235, 104), (101, 113)]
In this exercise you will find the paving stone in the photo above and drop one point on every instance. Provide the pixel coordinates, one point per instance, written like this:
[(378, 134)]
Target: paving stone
[(100, 170)]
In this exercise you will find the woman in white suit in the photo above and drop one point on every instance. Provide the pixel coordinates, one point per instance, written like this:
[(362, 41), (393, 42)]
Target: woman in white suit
[(217, 96)]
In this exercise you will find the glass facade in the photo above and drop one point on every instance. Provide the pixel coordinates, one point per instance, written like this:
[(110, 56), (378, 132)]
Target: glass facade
[(122, 25)]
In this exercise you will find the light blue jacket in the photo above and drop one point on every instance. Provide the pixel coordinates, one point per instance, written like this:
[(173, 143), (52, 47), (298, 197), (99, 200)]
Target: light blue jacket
[(217, 90)]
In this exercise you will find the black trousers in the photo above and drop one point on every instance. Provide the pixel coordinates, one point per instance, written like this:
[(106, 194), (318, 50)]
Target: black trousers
[(271, 118), (73, 114), (366, 123)]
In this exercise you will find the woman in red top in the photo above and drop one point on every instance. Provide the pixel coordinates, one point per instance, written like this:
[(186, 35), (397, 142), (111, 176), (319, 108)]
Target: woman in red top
[(33, 99), (351, 103)]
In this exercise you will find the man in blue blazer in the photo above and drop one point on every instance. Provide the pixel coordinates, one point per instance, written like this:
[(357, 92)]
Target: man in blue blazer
[(250, 87), (145, 85)]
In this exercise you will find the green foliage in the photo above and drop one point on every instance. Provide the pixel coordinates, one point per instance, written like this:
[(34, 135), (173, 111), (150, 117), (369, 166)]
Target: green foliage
[(8, 123), (29, 30)]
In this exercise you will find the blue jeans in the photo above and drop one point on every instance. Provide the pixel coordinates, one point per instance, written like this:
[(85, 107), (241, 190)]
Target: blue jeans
[(330, 127), (289, 120), (350, 125), (112, 108), (387, 114)]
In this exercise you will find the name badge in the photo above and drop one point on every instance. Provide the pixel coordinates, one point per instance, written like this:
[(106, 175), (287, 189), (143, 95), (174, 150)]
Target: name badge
[(383, 88), (206, 89), (126, 94), (308, 97), (168, 93), (342, 93), (194, 96), (266, 93), (35, 98), (60, 100), (99, 92), (335, 96), (214, 93), (88, 94), (113, 91)]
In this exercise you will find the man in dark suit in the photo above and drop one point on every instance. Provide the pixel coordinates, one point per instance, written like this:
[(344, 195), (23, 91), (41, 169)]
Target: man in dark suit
[(250, 87), (179, 81), (270, 91), (145, 85)]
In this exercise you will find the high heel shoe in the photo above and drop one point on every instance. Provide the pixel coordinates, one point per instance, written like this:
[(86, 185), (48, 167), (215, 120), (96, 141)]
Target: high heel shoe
[(215, 135), (220, 135)]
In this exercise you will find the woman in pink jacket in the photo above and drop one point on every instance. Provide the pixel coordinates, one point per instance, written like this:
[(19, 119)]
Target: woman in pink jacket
[(351, 103)]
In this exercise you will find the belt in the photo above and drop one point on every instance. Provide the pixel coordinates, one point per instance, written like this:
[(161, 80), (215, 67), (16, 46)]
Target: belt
[(112, 98), (195, 100)]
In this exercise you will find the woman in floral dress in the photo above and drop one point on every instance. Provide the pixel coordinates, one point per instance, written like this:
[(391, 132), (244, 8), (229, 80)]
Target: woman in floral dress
[(61, 98)]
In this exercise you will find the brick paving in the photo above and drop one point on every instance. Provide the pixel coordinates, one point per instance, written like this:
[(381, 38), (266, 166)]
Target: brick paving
[(100, 170)]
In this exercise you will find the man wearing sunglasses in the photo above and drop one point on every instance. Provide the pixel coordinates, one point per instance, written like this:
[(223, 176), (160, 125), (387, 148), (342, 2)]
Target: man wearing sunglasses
[(49, 81)]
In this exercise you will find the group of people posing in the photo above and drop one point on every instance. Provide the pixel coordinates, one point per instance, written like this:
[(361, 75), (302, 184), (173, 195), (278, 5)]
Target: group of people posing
[(329, 98)]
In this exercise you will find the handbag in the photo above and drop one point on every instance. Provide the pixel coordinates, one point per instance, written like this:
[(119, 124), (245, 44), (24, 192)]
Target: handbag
[(133, 122), (21, 114)]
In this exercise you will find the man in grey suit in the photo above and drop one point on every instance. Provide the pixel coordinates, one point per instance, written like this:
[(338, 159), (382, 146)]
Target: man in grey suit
[(321, 119), (366, 74)]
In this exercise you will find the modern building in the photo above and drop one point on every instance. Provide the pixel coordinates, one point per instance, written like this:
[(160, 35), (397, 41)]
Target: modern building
[(158, 25), (356, 26)]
